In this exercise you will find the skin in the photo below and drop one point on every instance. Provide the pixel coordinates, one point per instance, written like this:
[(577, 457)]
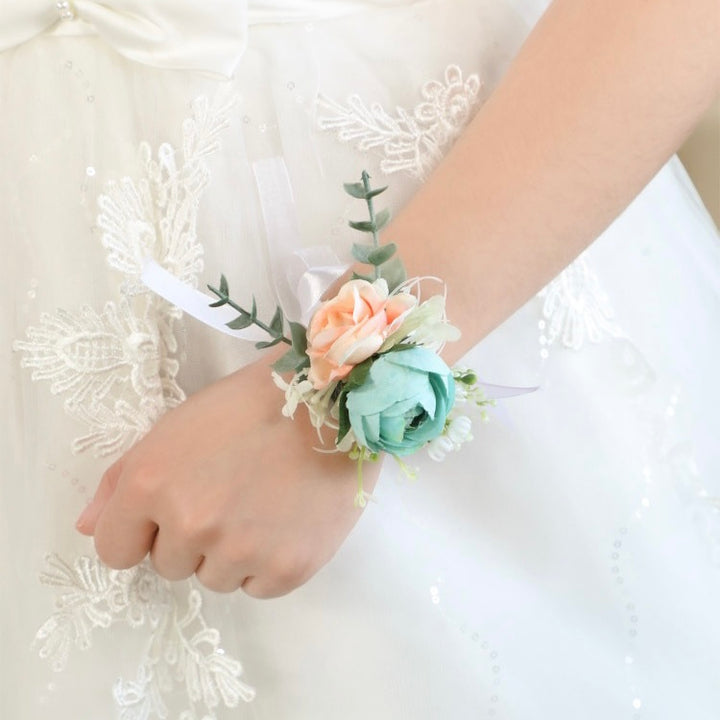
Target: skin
[(602, 93)]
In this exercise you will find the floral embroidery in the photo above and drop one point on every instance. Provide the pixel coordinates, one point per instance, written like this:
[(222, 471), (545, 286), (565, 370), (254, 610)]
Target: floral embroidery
[(116, 370), (109, 366), (182, 648), (576, 308), (411, 141)]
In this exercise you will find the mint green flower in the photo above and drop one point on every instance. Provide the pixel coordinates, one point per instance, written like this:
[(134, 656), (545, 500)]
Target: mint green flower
[(402, 403)]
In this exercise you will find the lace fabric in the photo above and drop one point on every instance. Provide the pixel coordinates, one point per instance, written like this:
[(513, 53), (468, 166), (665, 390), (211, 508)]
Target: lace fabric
[(117, 370)]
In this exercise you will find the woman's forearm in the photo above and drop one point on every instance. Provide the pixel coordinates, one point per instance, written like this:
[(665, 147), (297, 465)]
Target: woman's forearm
[(601, 94)]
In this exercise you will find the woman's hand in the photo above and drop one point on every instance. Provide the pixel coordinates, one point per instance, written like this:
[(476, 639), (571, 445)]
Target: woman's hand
[(227, 488)]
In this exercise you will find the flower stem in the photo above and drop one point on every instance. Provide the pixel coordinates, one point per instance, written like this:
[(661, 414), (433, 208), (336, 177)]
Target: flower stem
[(371, 210), (360, 500), (242, 311)]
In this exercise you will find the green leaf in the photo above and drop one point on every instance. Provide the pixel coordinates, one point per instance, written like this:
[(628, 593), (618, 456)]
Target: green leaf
[(278, 321), (219, 303), (357, 276), (379, 255), (343, 418), (382, 219), (298, 333), (253, 312), (371, 255), (363, 225), (359, 375), (356, 190), (401, 346), (291, 362), (224, 290), (393, 272), (377, 191), (361, 252), (241, 322), (268, 343)]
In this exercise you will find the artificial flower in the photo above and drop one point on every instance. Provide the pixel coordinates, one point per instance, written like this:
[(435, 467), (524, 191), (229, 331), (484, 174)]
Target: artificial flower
[(403, 402), (351, 327)]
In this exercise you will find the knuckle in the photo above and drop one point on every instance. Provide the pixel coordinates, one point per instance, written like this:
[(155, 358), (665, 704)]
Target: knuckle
[(194, 526), (108, 553), (140, 484), (112, 474), (238, 555), (290, 570)]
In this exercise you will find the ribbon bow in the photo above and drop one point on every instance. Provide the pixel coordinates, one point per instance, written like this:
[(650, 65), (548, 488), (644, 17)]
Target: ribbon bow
[(205, 35)]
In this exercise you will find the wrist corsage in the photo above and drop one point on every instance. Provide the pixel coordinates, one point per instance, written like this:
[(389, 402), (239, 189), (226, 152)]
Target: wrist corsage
[(367, 366)]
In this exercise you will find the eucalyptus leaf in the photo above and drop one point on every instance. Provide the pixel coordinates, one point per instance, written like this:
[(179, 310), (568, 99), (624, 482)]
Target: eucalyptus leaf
[(278, 321), (382, 219), (298, 333), (358, 276), (268, 343), (379, 255), (363, 225), (220, 302), (224, 289), (356, 190), (253, 312), (291, 362), (376, 192), (393, 272), (241, 322), (361, 252)]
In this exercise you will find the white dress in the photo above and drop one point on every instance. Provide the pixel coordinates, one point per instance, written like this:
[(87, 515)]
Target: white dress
[(563, 565)]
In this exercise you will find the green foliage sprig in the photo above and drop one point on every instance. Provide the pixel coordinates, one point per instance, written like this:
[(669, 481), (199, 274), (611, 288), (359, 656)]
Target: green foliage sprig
[(296, 358), (382, 258)]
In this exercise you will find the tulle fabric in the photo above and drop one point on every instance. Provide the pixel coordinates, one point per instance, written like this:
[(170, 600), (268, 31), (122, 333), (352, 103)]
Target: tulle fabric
[(564, 564)]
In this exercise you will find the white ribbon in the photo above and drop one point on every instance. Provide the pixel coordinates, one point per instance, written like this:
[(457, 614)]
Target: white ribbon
[(195, 303), (205, 35), (301, 275), (501, 392)]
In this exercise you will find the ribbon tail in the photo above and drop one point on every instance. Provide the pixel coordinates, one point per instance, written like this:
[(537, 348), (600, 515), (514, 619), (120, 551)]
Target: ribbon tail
[(195, 303), (501, 392), (301, 275)]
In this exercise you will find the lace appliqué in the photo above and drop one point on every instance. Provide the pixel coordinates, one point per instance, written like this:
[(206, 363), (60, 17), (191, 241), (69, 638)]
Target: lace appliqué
[(183, 649), (576, 309), (116, 370), (411, 141)]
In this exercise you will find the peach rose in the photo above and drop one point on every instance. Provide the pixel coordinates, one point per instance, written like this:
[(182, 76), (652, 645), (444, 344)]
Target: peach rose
[(351, 327)]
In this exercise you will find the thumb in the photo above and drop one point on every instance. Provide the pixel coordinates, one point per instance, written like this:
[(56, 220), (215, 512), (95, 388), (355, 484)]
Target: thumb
[(88, 518)]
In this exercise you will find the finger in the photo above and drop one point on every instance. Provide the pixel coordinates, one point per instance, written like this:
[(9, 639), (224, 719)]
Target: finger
[(88, 518), (219, 577), (124, 533), (265, 588), (171, 560), (278, 577)]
